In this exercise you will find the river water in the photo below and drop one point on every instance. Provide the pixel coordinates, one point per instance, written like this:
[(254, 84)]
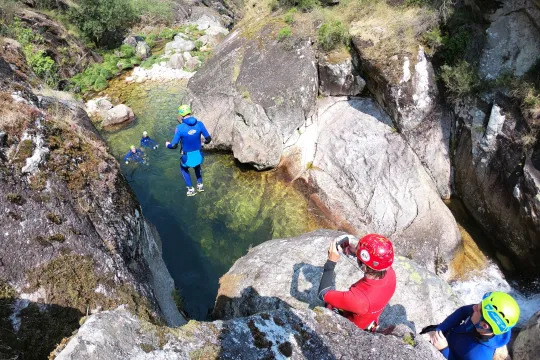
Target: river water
[(204, 235)]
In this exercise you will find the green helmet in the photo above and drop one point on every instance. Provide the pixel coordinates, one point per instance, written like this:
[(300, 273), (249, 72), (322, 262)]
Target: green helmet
[(184, 110), (500, 311)]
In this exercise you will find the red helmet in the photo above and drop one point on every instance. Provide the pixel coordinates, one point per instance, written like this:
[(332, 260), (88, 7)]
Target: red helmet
[(375, 251)]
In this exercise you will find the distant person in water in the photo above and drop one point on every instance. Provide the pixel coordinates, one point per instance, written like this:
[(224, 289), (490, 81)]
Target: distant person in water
[(146, 141), (134, 155), (188, 134), (474, 332)]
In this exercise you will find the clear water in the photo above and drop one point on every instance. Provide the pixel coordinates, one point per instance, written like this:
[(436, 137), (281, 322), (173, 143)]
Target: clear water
[(203, 235)]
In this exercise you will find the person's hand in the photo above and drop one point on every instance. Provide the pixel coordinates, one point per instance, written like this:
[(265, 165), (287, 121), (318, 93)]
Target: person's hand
[(438, 340), (167, 143), (127, 162), (333, 254)]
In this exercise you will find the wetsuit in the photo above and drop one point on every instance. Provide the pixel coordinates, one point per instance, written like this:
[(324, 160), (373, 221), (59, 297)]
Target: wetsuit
[(137, 156), (365, 300), (188, 135), (147, 142), (464, 342)]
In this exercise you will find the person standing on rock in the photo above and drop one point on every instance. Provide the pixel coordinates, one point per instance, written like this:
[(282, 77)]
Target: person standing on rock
[(135, 155), (146, 141), (188, 134), (366, 299), (474, 332)]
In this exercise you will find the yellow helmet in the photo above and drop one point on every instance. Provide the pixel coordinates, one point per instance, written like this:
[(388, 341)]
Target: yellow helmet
[(500, 311), (184, 110)]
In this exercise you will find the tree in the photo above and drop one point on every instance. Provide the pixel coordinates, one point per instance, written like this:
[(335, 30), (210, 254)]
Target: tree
[(103, 21)]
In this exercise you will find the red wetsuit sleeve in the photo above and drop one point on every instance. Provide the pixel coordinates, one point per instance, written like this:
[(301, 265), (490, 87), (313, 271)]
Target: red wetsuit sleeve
[(347, 300)]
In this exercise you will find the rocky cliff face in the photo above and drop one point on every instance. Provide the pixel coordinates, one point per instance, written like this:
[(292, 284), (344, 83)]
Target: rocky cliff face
[(496, 168), (278, 334), (74, 240)]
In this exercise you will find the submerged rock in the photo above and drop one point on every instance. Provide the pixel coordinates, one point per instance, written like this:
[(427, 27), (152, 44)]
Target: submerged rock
[(117, 115), (279, 334), (286, 273)]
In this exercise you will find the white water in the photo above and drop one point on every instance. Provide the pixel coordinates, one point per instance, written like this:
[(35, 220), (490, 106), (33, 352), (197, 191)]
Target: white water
[(491, 279)]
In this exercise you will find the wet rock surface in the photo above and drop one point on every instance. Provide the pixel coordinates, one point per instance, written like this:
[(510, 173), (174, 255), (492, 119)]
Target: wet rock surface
[(278, 334), (286, 273)]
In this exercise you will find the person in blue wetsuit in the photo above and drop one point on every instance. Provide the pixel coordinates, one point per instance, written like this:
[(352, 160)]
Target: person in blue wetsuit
[(147, 142), (135, 155), (188, 135), (474, 332)]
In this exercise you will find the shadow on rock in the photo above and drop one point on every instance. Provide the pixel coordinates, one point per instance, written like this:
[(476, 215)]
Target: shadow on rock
[(303, 274), (394, 315), (30, 330), (275, 334)]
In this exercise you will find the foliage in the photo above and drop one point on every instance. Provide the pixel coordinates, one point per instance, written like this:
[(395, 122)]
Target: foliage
[(304, 5), (454, 46), (332, 35), (101, 21), (284, 33), (42, 65), (289, 16), (198, 45), (460, 80), (434, 39), (155, 11)]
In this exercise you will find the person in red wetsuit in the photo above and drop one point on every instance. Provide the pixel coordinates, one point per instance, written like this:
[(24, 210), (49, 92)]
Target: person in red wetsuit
[(366, 299)]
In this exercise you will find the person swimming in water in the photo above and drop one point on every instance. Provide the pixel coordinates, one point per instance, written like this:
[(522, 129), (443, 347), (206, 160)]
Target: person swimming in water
[(188, 134), (146, 141), (135, 155)]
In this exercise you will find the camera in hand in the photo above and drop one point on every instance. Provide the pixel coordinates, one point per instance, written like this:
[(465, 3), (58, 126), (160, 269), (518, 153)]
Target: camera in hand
[(344, 243)]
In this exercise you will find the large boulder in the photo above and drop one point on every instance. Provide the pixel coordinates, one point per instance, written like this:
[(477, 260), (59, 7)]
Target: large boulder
[(365, 176), (513, 39), (498, 178), (280, 334), (279, 83), (176, 61), (527, 344), (286, 273), (405, 86), (117, 115), (179, 45), (142, 50)]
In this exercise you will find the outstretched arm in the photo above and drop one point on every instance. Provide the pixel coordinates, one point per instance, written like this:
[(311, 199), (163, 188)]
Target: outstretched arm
[(455, 318), (176, 139), (128, 155), (205, 133)]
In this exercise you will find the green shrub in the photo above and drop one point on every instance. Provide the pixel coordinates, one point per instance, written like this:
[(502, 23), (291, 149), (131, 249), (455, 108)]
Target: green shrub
[(434, 39), (454, 46), (102, 21), (42, 65), (460, 80), (198, 45), (151, 39), (332, 35), (124, 64), (289, 16), (100, 83), (127, 51), (155, 12), (284, 33)]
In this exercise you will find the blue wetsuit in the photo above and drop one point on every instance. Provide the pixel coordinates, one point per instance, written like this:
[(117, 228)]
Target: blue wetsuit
[(137, 156), (147, 142), (464, 342), (188, 135)]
